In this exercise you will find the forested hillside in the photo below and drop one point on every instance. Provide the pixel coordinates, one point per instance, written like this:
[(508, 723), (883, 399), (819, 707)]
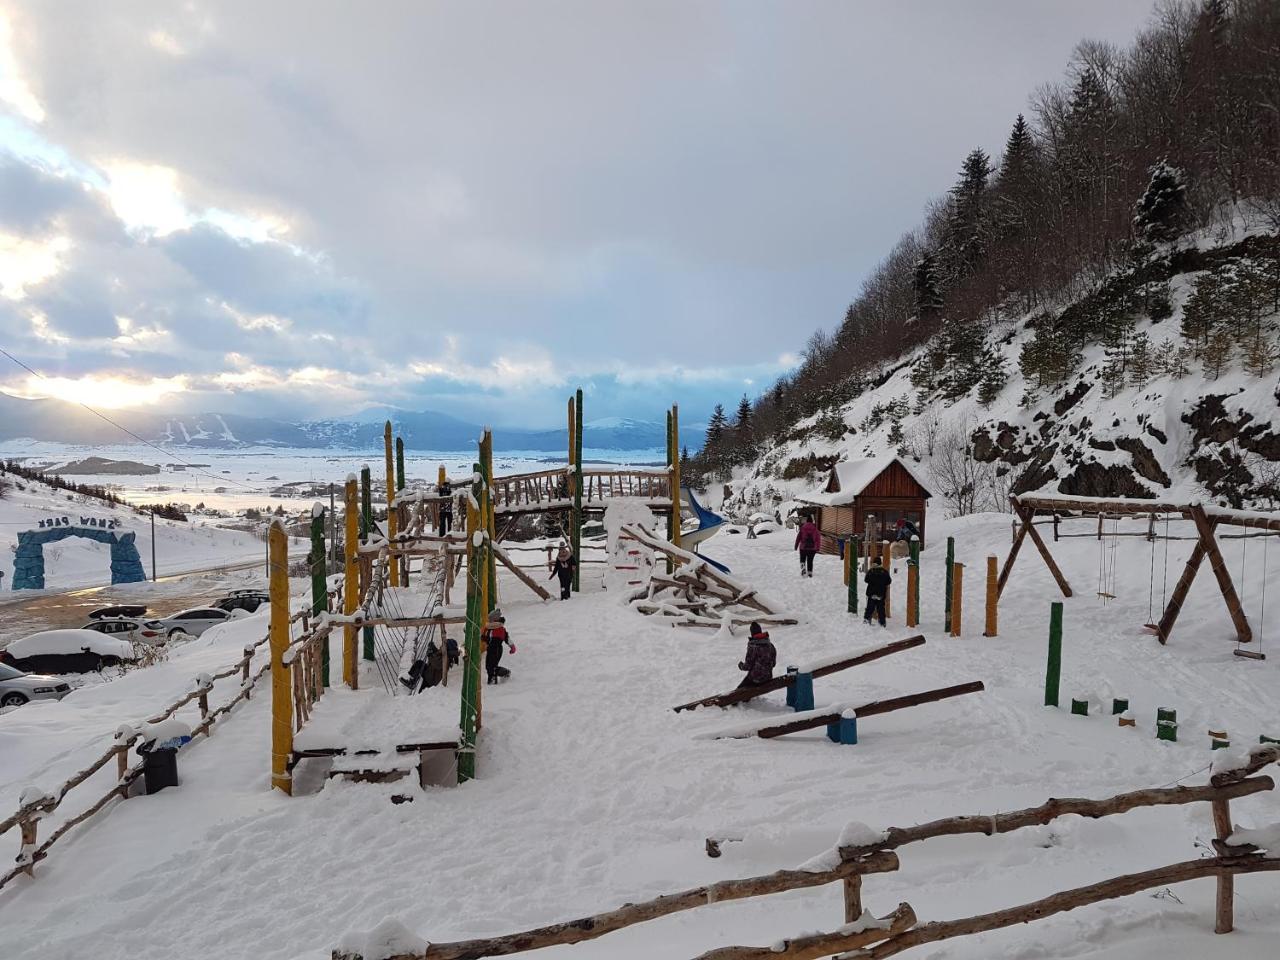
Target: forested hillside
[(1092, 311)]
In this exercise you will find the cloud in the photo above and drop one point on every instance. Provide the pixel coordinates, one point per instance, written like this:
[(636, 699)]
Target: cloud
[(28, 263)]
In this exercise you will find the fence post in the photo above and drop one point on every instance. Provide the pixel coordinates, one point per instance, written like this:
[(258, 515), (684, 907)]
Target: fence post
[(854, 547), (993, 598), (848, 553), (319, 581), (281, 694), (957, 596), (1224, 920), (913, 584), (1053, 672), (351, 585), (366, 531), (27, 829), (886, 561), (853, 898), (946, 606), (469, 721), (388, 457)]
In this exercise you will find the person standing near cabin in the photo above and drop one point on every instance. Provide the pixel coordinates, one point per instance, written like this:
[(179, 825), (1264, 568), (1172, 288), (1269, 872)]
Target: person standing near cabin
[(760, 660), (808, 542), (563, 568), (445, 492), (877, 580), (493, 637)]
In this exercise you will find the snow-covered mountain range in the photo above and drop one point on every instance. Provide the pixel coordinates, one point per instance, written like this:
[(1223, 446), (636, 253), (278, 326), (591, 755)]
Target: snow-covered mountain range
[(61, 422)]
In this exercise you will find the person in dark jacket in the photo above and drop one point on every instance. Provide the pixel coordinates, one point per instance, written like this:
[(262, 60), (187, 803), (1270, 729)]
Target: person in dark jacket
[(563, 568), (492, 638), (445, 491), (808, 542), (877, 580), (761, 658)]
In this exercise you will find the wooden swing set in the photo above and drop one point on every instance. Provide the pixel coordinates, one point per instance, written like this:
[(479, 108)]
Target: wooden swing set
[(1205, 518)]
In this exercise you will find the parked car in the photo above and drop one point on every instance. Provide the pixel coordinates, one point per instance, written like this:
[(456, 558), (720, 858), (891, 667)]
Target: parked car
[(16, 687), (193, 622), (67, 651), (130, 628), (248, 600), (119, 610)]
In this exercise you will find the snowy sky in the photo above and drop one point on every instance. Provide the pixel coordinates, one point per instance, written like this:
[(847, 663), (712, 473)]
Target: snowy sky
[(303, 208)]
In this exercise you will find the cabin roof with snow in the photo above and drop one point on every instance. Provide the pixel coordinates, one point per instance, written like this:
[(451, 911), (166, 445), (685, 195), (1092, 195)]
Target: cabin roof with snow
[(877, 477)]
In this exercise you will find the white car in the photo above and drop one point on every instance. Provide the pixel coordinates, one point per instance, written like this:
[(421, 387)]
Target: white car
[(192, 622), (150, 632)]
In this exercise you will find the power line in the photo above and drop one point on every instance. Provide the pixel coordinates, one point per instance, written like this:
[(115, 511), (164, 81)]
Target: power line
[(121, 427)]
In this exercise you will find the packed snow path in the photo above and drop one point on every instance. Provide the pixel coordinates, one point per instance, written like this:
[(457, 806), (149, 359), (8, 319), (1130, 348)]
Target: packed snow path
[(593, 792)]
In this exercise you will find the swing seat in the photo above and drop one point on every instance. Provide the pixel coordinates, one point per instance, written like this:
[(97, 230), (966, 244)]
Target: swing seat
[(1250, 654), (1106, 596)]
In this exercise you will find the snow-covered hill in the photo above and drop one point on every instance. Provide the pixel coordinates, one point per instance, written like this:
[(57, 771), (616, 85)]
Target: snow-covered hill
[(1142, 418)]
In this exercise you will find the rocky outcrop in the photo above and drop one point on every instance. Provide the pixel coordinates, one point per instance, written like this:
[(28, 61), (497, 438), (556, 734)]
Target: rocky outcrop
[(1144, 460), (1095, 480)]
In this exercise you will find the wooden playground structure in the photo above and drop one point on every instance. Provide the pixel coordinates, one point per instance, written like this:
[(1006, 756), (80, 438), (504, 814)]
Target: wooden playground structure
[(1206, 520)]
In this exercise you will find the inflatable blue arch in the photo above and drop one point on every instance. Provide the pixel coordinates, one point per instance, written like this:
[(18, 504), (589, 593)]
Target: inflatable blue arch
[(28, 561)]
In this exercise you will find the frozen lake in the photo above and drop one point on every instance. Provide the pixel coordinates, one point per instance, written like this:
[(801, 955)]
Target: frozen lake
[(259, 477)]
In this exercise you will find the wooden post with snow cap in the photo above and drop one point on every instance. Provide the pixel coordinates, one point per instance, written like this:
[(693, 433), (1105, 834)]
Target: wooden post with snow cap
[(350, 582), (886, 561), (393, 571), (957, 597), (853, 548), (281, 687), (993, 598), (913, 584)]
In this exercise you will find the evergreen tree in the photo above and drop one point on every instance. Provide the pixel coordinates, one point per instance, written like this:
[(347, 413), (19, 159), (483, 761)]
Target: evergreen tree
[(967, 224), (713, 451), (1140, 360), (744, 432), (1161, 212), (1217, 352), (928, 289), (994, 375), (1203, 310)]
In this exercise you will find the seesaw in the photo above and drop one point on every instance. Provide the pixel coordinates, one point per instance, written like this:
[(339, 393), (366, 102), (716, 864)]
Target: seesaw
[(803, 677), (842, 721)]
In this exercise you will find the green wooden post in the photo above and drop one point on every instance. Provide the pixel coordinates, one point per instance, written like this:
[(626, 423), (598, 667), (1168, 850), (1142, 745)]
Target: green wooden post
[(399, 463), (854, 544), (946, 608), (471, 650), (319, 582), (914, 560), (576, 532), (366, 530), (1053, 674)]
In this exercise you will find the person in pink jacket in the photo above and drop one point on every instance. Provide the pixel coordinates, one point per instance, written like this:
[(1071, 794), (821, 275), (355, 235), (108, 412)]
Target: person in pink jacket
[(808, 542)]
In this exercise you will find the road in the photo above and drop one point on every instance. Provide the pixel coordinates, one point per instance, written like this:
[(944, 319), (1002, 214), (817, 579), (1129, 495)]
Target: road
[(166, 595)]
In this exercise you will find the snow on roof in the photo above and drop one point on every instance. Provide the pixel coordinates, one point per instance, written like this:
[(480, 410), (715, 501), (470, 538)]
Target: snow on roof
[(854, 476), (71, 641)]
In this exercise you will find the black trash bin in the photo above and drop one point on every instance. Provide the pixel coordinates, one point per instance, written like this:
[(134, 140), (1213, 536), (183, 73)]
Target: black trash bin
[(159, 767)]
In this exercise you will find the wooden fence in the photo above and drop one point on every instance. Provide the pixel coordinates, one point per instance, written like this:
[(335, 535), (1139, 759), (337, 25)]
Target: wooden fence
[(32, 810), (871, 938)]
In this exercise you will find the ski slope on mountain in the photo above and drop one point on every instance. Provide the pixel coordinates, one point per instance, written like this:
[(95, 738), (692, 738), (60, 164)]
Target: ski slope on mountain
[(592, 792)]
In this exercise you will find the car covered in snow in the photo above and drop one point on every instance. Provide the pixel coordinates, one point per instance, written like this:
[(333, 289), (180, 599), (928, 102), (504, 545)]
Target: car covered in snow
[(150, 632), (17, 688), (67, 651), (192, 622), (118, 610)]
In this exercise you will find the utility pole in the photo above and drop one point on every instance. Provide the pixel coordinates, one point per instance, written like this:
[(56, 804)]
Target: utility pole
[(153, 545)]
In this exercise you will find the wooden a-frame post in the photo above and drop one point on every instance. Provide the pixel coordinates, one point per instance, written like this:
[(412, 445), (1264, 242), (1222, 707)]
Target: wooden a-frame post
[(1027, 515), (1206, 546)]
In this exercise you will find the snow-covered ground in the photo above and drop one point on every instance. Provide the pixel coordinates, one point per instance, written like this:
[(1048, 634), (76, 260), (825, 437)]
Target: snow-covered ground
[(592, 792), (77, 562)]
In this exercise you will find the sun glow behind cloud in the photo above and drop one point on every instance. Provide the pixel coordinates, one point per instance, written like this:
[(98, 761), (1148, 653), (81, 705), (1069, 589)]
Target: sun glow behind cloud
[(105, 391), (26, 263), (13, 86)]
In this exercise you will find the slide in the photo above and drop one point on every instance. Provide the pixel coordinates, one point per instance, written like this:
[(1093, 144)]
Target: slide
[(709, 525)]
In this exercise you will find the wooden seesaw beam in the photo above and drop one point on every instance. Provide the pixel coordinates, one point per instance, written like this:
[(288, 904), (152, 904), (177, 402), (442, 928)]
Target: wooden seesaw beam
[(871, 709), (744, 694)]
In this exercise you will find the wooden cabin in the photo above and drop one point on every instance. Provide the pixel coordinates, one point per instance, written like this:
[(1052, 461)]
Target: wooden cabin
[(865, 498)]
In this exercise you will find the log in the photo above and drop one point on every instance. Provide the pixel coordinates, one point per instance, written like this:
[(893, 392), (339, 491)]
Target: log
[(1224, 906), (597, 925), (1259, 757), (872, 709), (1058, 807), (778, 683), (1062, 902), (816, 945), (523, 577)]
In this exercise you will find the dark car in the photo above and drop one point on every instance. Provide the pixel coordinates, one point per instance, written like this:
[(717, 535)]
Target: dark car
[(247, 600)]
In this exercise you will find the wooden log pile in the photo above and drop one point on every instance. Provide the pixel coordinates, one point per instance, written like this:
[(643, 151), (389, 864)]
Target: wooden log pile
[(695, 594)]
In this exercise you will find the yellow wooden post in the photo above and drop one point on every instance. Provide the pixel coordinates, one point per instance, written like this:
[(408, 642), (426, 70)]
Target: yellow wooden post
[(993, 598), (281, 686), (957, 582), (675, 472), (913, 579), (350, 583), (392, 562)]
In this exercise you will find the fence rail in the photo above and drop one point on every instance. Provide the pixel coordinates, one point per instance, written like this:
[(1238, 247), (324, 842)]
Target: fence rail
[(872, 939), (33, 810)]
